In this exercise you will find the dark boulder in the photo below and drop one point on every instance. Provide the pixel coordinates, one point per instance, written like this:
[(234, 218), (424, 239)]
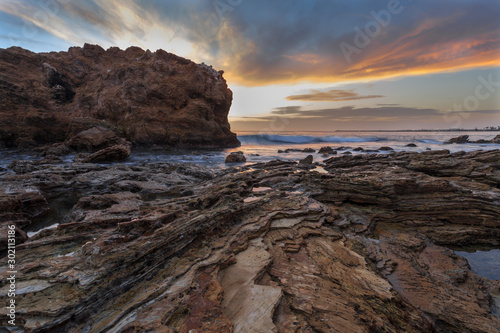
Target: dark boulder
[(110, 154), (327, 150), (459, 139), (236, 157), (308, 160), (95, 139)]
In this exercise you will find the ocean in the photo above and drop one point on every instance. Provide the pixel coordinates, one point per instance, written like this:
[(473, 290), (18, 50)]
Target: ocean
[(263, 147)]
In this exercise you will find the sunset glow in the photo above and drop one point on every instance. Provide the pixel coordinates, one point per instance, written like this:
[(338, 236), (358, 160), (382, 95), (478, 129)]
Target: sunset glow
[(313, 55)]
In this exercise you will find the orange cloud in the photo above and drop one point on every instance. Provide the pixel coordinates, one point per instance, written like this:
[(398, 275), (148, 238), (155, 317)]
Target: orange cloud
[(445, 44), (256, 50), (333, 95), (294, 118), (307, 58)]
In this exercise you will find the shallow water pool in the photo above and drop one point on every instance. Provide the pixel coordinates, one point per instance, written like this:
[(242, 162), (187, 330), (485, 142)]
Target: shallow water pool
[(484, 263)]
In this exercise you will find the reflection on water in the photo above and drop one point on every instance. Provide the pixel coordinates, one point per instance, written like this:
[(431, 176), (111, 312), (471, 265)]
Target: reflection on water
[(484, 263)]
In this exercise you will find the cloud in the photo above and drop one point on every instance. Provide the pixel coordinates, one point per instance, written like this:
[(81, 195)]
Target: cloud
[(266, 42), (109, 23), (350, 112), (333, 95), (426, 37), (284, 110), (295, 118)]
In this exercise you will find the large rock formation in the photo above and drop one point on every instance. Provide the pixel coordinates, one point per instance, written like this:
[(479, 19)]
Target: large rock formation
[(269, 247), (148, 98), (465, 139)]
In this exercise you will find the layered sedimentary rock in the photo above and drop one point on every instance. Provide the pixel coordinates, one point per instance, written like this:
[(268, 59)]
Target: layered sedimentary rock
[(271, 247), (147, 98), (465, 139)]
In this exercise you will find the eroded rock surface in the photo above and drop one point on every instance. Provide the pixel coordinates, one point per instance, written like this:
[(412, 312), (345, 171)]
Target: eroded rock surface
[(465, 139), (148, 98), (270, 247)]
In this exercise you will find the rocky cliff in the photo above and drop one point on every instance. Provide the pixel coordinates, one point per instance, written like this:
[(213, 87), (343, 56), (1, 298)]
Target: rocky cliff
[(147, 98)]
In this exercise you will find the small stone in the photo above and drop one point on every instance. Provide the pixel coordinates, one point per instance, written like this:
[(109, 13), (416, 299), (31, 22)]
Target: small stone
[(51, 159), (460, 139), (110, 154), (236, 157), (58, 149), (327, 150), (308, 160)]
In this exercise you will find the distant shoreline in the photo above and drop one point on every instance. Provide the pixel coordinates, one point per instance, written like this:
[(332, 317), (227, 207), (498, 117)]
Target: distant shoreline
[(425, 130), (380, 131)]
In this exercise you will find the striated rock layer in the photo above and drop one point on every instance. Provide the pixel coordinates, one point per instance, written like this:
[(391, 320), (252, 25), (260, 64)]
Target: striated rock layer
[(271, 247), (148, 98)]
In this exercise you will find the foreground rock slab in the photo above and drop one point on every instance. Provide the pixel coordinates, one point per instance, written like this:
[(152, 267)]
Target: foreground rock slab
[(269, 247)]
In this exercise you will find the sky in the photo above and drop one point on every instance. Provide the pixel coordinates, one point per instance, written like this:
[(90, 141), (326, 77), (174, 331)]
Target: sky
[(302, 65)]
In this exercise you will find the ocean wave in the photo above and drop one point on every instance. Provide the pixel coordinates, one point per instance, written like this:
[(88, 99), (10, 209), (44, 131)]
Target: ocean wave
[(269, 139), (428, 141)]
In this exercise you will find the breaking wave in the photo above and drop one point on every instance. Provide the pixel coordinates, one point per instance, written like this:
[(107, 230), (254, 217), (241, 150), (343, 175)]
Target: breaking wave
[(269, 139)]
